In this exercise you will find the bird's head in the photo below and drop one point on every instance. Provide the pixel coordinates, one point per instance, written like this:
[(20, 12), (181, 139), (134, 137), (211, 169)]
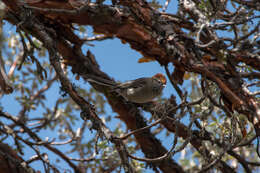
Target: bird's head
[(160, 77)]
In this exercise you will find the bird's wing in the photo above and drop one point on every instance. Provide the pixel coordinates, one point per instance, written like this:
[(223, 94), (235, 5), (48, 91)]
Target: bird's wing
[(133, 83)]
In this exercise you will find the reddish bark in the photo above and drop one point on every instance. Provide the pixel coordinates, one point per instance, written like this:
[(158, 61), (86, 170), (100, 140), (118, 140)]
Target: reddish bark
[(142, 33)]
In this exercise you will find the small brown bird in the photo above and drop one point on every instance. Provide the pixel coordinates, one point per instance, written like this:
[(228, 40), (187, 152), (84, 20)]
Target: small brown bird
[(141, 90)]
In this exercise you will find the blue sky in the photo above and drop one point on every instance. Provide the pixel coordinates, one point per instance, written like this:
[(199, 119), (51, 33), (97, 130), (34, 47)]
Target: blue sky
[(117, 60)]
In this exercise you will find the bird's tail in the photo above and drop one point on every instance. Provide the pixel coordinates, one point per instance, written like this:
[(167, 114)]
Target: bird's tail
[(100, 81)]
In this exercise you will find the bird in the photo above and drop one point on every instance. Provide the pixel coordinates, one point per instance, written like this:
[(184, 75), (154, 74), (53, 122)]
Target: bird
[(141, 90)]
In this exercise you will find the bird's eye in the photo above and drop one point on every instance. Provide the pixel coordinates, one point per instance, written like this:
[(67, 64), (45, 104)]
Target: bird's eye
[(160, 82)]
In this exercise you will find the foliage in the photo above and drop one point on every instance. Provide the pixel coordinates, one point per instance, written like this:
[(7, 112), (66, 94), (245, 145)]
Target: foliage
[(211, 121)]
